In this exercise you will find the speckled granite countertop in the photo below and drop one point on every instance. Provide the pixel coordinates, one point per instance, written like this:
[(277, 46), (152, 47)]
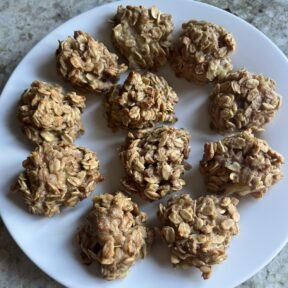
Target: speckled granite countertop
[(25, 22)]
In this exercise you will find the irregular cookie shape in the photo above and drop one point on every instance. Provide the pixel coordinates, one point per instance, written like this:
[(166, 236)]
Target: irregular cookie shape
[(202, 52), (47, 114), (87, 63), (57, 176), (154, 161), (143, 36), (198, 232), (240, 164), (142, 101), (243, 100), (114, 234)]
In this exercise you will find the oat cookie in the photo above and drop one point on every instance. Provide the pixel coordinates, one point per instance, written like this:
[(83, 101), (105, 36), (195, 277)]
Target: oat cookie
[(47, 114), (243, 100), (154, 161), (142, 101), (87, 63), (198, 232), (57, 176), (241, 164), (114, 234), (202, 52), (143, 36)]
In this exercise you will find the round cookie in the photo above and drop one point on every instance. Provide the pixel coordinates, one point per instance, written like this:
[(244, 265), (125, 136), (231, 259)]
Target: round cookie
[(240, 164), (142, 101), (202, 52), (143, 36), (87, 63), (243, 100), (154, 161), (47, 114), (57, 176), (114, 235), (198, 232)]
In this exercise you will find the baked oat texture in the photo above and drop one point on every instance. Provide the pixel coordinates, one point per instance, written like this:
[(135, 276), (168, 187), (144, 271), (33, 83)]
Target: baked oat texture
[(198, 232), (47, 114), (114, 234), (143, 36), (243, 100), (57, 176), (240, 164), (87, 63), (202, 52), (142, 101), (154, 161)]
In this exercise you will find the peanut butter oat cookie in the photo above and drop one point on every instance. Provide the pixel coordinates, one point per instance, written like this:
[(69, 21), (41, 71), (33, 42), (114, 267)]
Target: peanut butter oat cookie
[(241, 164), (154, 161), (57, 176), (243, 100), (47, 114), (202, 52), (87, 63), (114, 234), (143, 36), (198, 232), (142, 101)]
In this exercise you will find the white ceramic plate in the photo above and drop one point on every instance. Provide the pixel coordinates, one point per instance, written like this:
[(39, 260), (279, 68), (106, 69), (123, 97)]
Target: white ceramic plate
[(50, 242)]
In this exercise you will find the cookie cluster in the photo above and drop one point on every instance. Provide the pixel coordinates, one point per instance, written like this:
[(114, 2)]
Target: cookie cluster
[(58, 174)]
